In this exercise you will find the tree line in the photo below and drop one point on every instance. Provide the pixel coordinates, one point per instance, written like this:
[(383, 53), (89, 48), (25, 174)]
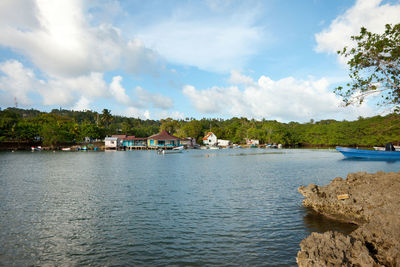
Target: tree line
[(62, 126)]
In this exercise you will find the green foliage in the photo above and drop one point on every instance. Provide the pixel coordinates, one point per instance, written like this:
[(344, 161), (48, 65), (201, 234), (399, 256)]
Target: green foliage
[(191, 129), (374, 67), (169, 125), (27, 129), (57, 130), (62, 126), (106, 118), (90, 130)]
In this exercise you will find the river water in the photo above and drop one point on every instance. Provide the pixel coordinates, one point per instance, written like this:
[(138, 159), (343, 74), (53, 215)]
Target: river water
[(232, 207)]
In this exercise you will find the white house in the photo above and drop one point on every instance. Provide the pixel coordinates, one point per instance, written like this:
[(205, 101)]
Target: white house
[(224, 143), (111, 142), (114, 142), (210, 139)]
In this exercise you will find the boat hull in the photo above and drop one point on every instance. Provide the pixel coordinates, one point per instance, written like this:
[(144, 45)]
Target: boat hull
[(178, 149), (369, 154), (171, 151)]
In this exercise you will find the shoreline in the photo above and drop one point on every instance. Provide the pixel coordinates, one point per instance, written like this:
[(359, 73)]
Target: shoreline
[(26, 146), (369, 200)]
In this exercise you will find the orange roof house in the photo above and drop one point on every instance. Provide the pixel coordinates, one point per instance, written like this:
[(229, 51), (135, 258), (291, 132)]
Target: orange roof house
[(210, 139)]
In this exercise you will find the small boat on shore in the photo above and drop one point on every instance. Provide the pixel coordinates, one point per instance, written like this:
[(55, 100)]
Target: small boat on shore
[(38, 148), (369, 154)]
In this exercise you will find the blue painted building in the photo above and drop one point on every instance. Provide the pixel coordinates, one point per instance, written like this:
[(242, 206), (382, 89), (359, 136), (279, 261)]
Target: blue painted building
[(163, 140), (132, 142)]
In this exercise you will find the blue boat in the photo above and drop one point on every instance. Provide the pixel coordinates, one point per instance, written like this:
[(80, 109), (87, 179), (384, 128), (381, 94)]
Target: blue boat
[(369, 154)]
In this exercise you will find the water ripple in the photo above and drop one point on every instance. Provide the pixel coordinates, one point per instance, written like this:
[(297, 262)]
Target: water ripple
[(219, 208)]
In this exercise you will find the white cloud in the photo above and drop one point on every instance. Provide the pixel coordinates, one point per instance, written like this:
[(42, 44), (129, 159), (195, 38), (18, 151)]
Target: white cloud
[(91, 85), (157, 100), (240, 79), (143, 99), (142, 113), (174, 115), (67, 91), (82, 104), (25, 19), (216, 99), (141, 60), (216, 42), (77, 93), (370, 14), (17, 81), (118, 91), (56, 93), (58, 39), (287, 99), (135, 112)]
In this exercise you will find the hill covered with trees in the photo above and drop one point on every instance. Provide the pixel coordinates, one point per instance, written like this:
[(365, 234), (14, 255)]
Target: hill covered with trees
[(70, 127)]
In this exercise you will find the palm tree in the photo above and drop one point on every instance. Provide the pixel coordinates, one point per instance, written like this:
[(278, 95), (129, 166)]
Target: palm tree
[(106, 117)]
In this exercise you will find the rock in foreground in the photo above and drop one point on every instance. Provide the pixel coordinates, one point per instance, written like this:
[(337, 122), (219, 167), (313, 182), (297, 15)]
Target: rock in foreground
[(370, 200)]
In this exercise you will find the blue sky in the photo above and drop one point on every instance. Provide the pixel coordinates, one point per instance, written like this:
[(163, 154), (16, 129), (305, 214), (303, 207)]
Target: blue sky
[(267, 59)]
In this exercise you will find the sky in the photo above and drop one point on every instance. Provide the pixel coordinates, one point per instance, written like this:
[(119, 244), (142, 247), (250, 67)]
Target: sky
[(269, 59)]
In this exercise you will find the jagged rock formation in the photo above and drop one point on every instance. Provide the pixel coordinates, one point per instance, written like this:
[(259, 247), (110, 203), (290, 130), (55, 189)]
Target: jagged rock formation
[(370, 200)]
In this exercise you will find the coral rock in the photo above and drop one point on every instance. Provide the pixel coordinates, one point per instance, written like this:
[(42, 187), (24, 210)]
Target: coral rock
[(373, 202)]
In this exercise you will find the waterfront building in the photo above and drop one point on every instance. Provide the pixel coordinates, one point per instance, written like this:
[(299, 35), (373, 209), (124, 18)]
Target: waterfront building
[(114, 142), (163, 140), (210, 139), (224, 143), (189, 142), (111, 143), (132, 142)]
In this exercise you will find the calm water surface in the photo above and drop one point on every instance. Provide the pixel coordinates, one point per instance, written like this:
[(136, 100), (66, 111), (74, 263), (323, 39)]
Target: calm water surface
[(236, 207)]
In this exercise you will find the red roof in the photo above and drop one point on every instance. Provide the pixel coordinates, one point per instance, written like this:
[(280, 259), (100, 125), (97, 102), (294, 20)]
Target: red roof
[(133, 138), (163, 135), (140, 138), (208, 134), (121, 136), (129, 138)]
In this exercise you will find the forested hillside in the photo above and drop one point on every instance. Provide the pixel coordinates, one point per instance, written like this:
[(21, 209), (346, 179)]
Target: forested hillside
[(65, 126)]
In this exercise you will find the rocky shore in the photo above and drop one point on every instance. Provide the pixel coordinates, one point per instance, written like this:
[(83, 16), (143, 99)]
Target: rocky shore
[(372, 201)]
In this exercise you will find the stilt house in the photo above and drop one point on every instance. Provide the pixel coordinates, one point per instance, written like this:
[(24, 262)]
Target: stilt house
[(163, 140)]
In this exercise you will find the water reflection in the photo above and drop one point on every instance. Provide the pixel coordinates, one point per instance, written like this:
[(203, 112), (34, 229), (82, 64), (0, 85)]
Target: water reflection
[(315, 222)]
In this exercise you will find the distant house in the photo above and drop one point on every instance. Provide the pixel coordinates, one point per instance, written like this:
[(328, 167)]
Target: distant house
[(188, 142), (128, 141), (163, 140), (132, 142), (114, 142), (120, 139), (111, 143), (210, 139), (224, 143)]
